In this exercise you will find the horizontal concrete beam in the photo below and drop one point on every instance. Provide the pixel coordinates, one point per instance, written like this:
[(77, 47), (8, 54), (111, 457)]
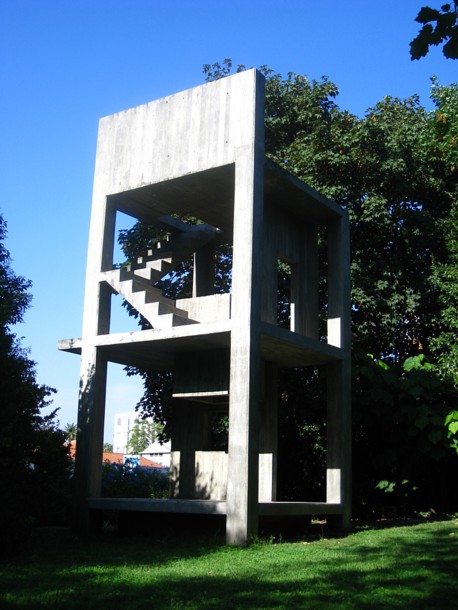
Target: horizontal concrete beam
[(286, 348), (284, 509), (212, 507), (196, 507)]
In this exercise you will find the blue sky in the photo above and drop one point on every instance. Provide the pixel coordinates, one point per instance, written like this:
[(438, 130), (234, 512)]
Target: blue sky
[(66, 63)]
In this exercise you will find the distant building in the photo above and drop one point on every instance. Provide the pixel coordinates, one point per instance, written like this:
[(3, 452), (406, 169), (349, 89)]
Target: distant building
[(123, 424), (120, 458), (158, 453)]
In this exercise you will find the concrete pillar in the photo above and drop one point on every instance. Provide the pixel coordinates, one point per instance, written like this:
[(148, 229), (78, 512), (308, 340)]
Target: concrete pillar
[(188, 436), (339, 373), (89, 440), (243, 460), (93, 378)]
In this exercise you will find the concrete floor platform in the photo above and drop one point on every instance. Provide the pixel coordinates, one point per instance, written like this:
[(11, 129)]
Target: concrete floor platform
[(211, 507)]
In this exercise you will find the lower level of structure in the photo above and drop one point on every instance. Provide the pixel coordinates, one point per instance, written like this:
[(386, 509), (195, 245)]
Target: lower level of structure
[(211, 507)]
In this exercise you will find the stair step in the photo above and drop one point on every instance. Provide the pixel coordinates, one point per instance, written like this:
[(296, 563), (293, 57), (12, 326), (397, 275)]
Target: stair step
[(152, 269), (151, 275), (160, 308), (166, 255), (158, 256), (162, 265), (127, 283), (139, 283), (169, 320)]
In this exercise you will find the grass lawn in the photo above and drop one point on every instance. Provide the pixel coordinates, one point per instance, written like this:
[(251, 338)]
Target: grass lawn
[(389, 566)]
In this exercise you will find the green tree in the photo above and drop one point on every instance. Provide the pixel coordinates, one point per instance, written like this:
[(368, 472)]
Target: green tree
[(394, 170), (34, 461), (441, 141), (439, 27), (70, 430), (144, 432), (401, 446), (108, 447)]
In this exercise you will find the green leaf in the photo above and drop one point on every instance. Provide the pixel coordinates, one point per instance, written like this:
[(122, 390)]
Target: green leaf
[(386, 486), (415, 362), (382, 365), (451, 417), (453, 427)]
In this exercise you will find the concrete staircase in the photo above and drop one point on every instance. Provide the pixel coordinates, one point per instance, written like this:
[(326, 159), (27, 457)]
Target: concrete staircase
[(160, 311), (135, 282)]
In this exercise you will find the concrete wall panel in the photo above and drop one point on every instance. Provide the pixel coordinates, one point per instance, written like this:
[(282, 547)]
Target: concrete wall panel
[(187, 132)]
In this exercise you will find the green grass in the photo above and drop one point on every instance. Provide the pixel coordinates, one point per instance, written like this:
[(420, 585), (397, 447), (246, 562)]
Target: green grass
[(408, 566)]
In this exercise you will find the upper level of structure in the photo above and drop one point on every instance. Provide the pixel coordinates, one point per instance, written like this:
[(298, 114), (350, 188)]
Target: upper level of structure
[(200, 154)]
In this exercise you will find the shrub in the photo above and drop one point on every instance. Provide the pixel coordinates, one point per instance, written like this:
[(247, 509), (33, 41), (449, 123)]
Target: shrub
[(132, 481)]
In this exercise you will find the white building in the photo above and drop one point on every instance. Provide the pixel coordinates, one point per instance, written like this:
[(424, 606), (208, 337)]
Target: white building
[(123, 425), (158, 453)]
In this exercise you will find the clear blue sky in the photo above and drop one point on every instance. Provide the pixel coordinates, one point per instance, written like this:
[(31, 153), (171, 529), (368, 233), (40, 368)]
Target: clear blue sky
[(66, 63)]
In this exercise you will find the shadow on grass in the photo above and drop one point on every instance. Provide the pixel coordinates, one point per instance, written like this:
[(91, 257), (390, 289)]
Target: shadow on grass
[(409, 567)]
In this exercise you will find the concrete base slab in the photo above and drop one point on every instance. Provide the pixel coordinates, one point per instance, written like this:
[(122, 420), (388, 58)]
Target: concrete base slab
[(212, 507)]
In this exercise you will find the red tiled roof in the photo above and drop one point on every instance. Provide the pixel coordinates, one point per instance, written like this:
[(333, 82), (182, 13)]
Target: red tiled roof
[(109, 456), (116, 458)]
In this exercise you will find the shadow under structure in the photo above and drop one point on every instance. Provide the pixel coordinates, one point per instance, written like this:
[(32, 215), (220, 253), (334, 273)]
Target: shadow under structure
[(200, 154)]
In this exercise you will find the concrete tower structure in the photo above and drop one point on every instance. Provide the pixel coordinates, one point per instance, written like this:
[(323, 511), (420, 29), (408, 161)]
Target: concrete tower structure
[(200, 153)]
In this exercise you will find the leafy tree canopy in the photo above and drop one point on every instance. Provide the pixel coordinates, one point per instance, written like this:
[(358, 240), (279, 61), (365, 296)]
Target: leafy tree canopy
[(144, 432), (71, 430), (14, 295), (34, 465), (439, 27)]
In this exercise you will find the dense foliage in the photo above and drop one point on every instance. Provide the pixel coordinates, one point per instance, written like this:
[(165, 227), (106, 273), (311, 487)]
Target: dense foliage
[(441, 142), (34, 465), (439, 27), (144, 432), (403, 453), (133, 481), (395, 170)]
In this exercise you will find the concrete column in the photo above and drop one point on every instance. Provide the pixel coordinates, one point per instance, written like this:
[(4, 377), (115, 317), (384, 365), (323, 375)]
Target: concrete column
[(243, 459), (91, 407), (188, 436), (89, 440), (339, 373)]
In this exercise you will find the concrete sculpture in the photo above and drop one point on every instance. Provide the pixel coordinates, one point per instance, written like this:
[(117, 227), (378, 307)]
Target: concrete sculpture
[(201, 153)]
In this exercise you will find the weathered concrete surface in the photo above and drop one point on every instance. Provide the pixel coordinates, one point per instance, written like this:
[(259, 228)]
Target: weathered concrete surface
[(201, 153)]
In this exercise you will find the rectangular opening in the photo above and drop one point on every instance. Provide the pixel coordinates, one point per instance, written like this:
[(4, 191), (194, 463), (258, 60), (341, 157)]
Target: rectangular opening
[(284, 294), (302, 435)]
